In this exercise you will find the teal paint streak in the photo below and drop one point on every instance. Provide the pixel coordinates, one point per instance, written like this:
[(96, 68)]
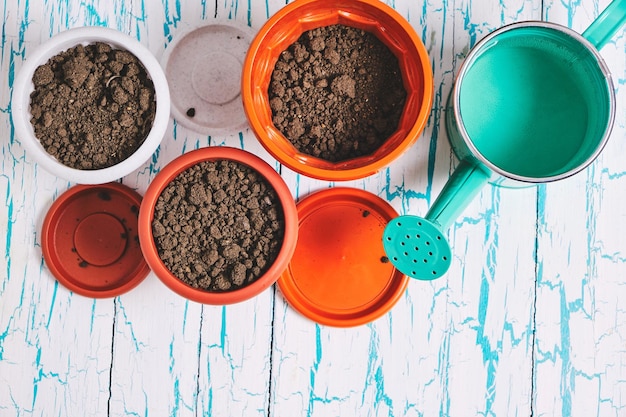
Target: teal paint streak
[(209, 406), (381, 396), (313, 372), (481, 339), (42, 375), (422, 21), (52, 302), (223, 331), (613, 175), (176, 408), (134, 413), (122, 312), (561, 353), (297, 188), (444, 362), (120, 15), (92, 18), (571, 9), (170, 19), (232, 13), (406, 195), (444, 11), (241, 142), (491, 353), (93, 316), (566, 406), (376, 375), (3, 37), (204, 9), (24, 23), (469, 27), (185, 315), (171, 355), (9, 228), (435, 120), (36, 380), (153, 167), (3, 337), (249, 13), (22, 293), (139, 20)]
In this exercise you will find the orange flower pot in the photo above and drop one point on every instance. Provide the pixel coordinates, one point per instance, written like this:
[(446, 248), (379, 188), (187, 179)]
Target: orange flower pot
[(284, 28)]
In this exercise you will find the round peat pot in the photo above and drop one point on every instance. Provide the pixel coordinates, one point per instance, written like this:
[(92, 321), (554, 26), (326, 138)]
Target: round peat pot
[(200, 221), (90, 105), (533, 103), (284, 28)]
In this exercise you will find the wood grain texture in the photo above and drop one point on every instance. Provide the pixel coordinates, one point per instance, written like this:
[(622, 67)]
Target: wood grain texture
[(580, 245), (526, 322)]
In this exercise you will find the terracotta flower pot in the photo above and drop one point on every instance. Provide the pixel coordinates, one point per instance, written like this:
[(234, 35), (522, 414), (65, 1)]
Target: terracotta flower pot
[(149, 245)]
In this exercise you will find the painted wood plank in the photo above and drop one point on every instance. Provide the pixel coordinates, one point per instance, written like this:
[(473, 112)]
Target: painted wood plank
[(485, 302), (55, 347), (579, 337)]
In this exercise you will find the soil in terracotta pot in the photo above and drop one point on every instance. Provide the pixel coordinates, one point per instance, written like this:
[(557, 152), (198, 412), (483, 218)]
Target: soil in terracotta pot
[(218, 225), (92, 106), (337, 93)]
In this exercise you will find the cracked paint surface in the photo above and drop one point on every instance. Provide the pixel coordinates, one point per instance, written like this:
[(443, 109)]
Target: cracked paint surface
[(528, 320)]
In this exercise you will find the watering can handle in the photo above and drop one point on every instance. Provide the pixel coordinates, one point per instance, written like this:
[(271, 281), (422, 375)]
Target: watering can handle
[(464, 184), (607, 24)]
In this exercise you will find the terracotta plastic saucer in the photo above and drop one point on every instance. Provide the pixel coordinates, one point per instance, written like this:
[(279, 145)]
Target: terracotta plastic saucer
[(339, 274), (90, 241)]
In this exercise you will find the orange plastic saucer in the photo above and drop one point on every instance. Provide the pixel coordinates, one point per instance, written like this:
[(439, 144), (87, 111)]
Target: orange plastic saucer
[(339, 274), (90, 241)]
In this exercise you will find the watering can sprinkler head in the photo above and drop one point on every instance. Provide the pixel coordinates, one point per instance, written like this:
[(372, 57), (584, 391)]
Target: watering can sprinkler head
[(417, 247)]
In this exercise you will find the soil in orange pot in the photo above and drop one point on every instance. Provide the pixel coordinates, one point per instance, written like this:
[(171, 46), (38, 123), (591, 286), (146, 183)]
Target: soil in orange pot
[(337, 93)]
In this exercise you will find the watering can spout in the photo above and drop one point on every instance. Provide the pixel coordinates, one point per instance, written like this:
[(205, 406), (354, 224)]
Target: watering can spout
[(607, 24), (464, 184)]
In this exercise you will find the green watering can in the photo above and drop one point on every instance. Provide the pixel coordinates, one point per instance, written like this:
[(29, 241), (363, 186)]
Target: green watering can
[(533, 103)]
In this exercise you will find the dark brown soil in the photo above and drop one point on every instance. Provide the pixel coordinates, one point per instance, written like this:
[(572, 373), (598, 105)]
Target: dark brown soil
[(218, 226), (337, 93), (92, 106)]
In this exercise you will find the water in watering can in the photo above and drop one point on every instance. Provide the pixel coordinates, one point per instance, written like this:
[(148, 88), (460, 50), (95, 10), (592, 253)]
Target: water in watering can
[(528, 104)]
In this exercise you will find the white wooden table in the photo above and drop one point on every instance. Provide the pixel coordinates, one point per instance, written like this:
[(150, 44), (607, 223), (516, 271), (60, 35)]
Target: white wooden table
[(528, 321)]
